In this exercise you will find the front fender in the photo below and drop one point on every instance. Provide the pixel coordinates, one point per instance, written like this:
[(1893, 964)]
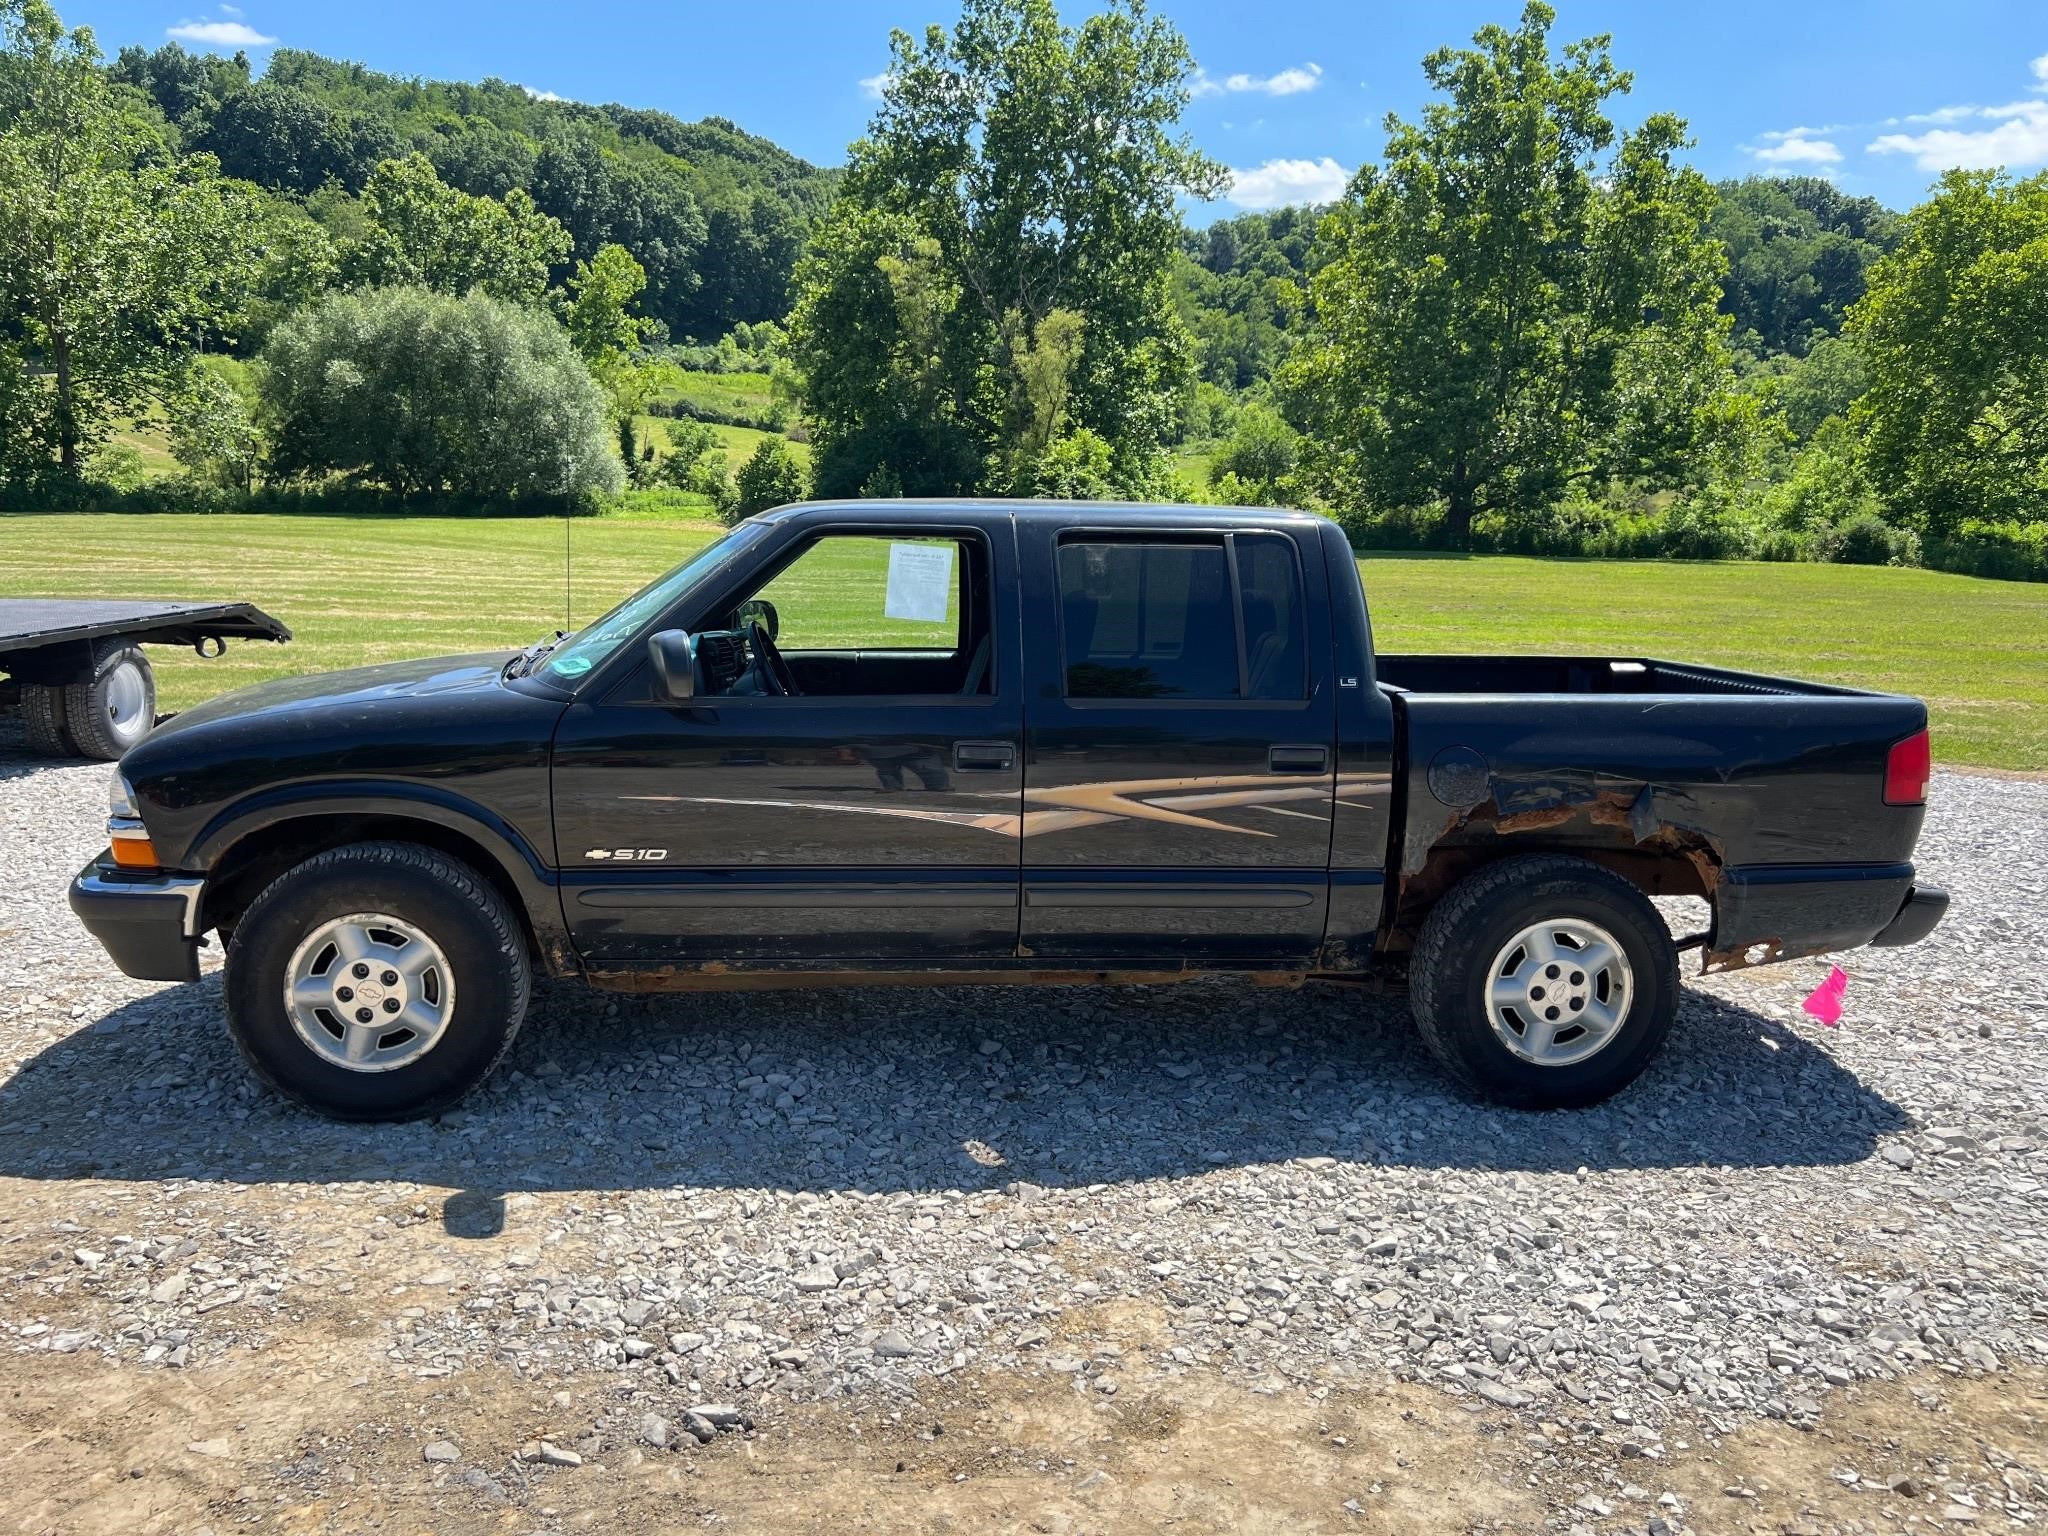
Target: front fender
[(274, 810)]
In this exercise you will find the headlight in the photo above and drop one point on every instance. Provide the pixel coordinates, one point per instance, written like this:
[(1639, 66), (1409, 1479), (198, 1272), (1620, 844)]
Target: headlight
[(126, 835)]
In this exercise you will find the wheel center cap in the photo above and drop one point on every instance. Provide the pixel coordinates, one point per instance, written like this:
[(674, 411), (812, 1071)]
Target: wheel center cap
[(370, 992)]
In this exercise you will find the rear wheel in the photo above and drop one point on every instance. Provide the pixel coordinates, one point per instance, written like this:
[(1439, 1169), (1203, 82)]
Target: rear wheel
[(116, 707), (381, 981), (42, 719), (1545, 982)]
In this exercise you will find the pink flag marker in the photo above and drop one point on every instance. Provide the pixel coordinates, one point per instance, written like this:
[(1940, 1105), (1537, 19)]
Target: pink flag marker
[(1825, 1002)]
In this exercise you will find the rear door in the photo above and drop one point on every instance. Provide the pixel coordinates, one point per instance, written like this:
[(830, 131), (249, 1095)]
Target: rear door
[(1179, 730)]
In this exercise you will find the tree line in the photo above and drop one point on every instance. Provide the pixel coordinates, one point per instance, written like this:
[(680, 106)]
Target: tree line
[(1521, 328)]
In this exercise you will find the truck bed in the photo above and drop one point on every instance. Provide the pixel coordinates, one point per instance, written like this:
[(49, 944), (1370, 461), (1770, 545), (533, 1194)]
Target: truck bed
[(1763, 794), (1584, 674)]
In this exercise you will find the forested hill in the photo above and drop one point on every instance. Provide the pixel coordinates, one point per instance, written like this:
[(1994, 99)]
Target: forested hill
[(716, 215), (1799, 249)]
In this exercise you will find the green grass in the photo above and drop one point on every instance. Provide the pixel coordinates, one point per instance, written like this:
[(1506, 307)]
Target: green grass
[(745, 394), (740, 442), (357, 590)]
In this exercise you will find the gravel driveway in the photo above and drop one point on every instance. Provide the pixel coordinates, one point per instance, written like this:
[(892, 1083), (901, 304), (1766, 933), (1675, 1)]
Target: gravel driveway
[(720, 1209)]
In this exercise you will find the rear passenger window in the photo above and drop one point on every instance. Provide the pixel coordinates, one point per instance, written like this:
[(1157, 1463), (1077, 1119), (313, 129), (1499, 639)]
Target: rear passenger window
[(1276, 650), (1166, 620)]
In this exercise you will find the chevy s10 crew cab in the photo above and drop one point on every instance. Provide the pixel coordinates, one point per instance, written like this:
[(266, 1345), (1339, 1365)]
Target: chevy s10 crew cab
[(928, 742)]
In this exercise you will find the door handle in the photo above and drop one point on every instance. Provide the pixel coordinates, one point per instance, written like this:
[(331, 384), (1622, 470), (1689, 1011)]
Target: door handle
[(1297, 759), (983, 756)]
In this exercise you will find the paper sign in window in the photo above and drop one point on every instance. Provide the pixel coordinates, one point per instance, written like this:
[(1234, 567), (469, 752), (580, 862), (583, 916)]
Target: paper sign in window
[(920, 582)]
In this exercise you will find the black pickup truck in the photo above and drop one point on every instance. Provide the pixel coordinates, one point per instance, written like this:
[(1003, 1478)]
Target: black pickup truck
[(924, 742)]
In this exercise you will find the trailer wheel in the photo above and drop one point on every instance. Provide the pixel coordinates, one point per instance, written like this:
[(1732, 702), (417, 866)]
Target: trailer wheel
[(1544, 982), (116, 707), (42, 717)]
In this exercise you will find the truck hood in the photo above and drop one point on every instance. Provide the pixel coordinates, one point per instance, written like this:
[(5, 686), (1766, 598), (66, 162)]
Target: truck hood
[(446, 730), (337, 696)]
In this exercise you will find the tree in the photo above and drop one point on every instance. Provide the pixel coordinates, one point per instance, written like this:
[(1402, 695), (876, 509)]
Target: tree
[(1260, 453), (1820, 386), (424, 393), (771, 477), (114, 260), (1798, 253), (1954, 334), (213, 437), (424, 233), (1501, 315), (278, 135), (601, 297), (905, 399), (188, 88), (1017, 168), (605, 199)]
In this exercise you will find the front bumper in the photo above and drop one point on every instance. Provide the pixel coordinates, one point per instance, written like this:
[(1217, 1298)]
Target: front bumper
[(147, 923)]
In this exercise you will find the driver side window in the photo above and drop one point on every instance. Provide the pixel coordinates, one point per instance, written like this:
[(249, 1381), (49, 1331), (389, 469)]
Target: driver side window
[(881, 615)]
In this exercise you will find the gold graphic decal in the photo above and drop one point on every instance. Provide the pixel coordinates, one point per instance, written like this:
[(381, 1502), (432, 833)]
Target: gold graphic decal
[(1173, 802)]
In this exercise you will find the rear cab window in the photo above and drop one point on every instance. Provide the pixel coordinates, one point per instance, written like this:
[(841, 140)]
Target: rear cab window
[(1209, 617)]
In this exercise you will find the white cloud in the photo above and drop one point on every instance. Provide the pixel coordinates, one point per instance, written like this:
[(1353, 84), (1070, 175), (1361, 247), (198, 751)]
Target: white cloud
[(1279, 183), (1798, 149), (231, 10), (1288, 82), (2014, 134), (872, 86), (2019, 140), (219, 34), (542, 95)]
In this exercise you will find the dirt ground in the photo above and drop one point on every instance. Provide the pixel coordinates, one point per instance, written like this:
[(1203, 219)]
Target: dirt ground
[(318, 1434)]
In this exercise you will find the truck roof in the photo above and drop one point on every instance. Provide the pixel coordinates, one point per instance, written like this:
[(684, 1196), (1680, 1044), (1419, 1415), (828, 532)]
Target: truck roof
[(1092, 514)]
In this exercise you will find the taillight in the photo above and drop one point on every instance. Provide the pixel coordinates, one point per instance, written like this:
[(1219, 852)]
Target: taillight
[(1907, 768)]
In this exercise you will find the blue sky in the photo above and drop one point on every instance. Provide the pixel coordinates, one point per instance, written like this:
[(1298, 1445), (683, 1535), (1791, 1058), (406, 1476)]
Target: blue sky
[(1878, 94)]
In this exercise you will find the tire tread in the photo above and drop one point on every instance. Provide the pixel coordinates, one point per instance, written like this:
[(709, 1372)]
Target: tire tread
[(42, 719)]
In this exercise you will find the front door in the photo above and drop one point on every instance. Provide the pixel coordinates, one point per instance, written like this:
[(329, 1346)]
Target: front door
[(869, 812), (1179, 780)]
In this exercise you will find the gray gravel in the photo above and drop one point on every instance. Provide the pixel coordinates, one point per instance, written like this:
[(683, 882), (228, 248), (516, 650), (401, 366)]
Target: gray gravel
[(728, 1201)]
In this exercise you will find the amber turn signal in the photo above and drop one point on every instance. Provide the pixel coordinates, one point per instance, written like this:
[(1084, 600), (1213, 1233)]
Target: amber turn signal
[(134, 852)]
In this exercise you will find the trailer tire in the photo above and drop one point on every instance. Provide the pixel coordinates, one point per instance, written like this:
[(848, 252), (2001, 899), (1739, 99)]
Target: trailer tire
[(42, 718), (113, 709), (1544, 982)]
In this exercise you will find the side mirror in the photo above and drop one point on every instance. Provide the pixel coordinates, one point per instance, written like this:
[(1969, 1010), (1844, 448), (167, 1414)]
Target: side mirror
[(674, 657), (761, 611)]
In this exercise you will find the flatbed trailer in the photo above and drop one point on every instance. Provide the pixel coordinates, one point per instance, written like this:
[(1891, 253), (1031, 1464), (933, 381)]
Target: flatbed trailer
[(76, 670)]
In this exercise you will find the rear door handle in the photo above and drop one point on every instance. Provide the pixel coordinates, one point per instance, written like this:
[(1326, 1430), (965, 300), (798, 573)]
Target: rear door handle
[(1297, 759), (983, 756)]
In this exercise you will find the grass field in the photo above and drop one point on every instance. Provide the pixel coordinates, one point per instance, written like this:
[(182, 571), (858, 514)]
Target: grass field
[(739, 442), (735, 393), (357, 590)]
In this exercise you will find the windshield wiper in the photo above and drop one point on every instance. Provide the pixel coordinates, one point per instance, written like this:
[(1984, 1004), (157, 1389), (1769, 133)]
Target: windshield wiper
[(528, 659)]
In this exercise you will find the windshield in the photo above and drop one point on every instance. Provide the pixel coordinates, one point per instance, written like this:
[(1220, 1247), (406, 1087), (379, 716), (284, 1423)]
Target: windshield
[(589, 646)]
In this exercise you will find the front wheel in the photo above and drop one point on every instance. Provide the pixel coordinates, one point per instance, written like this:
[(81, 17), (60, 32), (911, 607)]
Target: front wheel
[(380, 981), (1544, 982)]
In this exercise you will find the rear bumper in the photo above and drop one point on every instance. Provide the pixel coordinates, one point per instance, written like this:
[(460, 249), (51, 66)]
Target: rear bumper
[(147, 924), (1765, 913), (1921, 910)]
